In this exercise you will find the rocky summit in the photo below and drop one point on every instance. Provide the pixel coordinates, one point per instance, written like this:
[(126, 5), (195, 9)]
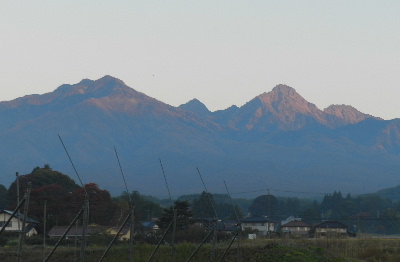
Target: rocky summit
[(278, 140)]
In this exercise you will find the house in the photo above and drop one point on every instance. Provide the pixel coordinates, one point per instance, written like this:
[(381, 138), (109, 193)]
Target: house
[(75, 231), (231, 226), (289, 219), (209, 224), (296, 227), (330, 228), (261, 224), (150, 225), (15, 225), (206, 223), (124, 235)]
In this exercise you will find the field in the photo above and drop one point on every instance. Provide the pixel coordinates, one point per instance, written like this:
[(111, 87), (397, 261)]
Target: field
[(261, 250)]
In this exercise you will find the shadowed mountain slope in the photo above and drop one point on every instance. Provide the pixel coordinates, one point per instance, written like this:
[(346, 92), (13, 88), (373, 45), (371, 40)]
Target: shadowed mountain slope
[(277, 140)]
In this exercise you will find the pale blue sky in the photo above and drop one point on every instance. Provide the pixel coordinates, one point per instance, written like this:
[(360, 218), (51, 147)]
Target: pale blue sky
[(221, 52)]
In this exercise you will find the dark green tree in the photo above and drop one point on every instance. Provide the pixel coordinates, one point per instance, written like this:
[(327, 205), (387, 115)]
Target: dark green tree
[(144, 209), (227, 211), (265, 205), (47, 185), (311, 214), (204, 206), (3, 196), (184, 215), (40, 177)]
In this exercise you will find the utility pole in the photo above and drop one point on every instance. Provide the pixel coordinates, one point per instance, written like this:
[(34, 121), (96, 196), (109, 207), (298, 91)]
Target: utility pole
[(214, 244), (22, 233), (269, 211), (173, 235), (173, 222), (132, 231), (84, 210), (215, 222), (85, 221), (17, 180), (44, 229), (240, 230)]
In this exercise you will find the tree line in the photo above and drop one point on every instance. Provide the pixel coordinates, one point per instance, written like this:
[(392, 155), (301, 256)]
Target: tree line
[(365, 213)]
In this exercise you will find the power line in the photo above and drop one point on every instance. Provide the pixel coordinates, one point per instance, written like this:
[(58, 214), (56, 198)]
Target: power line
[(72, 163), (123, 177), (166, 184)]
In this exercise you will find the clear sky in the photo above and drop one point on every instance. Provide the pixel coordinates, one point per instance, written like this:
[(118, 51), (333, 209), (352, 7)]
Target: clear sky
[(220, 52)]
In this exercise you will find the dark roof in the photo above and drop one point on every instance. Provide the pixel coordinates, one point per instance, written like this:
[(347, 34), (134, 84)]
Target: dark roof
[(21, 217), (231, 226), (296, 224), (29, 227), (149, 224), (206, 219), (331, 224), (361, 215), (256, 220), (74, 231)]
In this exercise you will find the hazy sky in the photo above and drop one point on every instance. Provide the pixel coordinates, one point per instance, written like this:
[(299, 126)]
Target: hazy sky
[(221, 52)]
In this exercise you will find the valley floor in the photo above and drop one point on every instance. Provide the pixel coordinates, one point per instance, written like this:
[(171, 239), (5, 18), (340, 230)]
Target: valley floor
[(260, 250)]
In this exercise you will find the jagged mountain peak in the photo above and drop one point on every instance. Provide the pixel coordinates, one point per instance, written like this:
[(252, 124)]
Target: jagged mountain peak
[(105, 85), (282, 108), (284, 100), (282, 96), (348, 113), (108, 89), (196, 102), (277, 131), (196, 107), (285, 89)]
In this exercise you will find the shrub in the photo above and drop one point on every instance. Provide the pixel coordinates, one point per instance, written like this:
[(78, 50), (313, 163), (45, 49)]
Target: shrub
[(13, 243), (3, 241)]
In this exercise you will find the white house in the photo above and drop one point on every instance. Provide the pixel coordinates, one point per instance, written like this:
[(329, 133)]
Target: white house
[(15, 225), (261, 224)]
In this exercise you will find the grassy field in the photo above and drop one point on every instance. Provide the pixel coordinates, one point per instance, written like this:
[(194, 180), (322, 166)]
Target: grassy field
[(261, 250)]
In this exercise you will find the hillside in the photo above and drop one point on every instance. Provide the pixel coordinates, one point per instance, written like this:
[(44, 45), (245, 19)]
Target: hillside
[(278, 140)]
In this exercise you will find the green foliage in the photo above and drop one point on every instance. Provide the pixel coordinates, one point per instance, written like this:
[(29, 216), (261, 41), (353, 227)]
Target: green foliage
[(145, 209), (3, 241), (204, 206), (220, 199), (274, 252), (223, 204), (265, 205), (183, 215), (47, 185), (3, 196), (99, 239), (392, 193), (311, 214), (13, 243), (39, 179), (34, 240)]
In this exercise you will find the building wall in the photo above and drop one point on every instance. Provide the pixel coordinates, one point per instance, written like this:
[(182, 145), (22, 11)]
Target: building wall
[(13, 225), (263, 228), (333, 230), (296, 230)]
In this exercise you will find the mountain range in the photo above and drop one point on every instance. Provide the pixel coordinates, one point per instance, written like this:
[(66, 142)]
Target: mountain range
[(277, 141)]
